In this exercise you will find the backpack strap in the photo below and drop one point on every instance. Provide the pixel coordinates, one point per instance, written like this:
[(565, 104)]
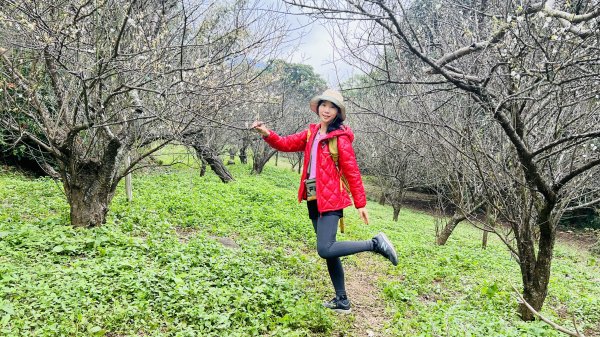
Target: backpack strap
[(310, 154), (335, 155), (333, 150)]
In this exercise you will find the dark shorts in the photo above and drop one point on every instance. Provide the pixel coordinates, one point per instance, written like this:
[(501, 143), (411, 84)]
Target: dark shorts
[(313, 212)]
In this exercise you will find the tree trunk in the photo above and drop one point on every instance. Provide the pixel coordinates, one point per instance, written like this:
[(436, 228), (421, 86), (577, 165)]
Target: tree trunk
[(90, 184), (535, 272), (457, 218), (397, 208), (231, 160), (484, 239), (449, 228), (128, 180), (397, 202), (243, 156), (88, 209), (382, 198), (260, 160), (214, 161), (490, 219), (89, 188), (202, 167), (259, 164)]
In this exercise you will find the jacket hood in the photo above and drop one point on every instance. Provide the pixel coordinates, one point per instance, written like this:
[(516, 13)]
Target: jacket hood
[(343, 131)]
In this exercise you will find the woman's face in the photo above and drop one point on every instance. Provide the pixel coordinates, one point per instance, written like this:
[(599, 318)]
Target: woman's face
[(327, 112)]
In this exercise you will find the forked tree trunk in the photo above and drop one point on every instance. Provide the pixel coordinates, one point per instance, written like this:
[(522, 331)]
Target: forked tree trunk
[(258, 164), (260, 160), (88, 209), (214, 161), (89, 188)]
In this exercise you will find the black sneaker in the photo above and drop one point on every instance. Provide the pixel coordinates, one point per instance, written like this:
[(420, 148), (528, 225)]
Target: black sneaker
[(384, 247), (339, 304)]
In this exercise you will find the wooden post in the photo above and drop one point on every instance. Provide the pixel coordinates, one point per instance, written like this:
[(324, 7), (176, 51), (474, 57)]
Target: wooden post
[(128, 185), (490, 221), (484, 240)]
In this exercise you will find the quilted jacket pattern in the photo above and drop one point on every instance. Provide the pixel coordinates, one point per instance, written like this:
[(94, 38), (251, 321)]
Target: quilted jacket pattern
[(331, 195)]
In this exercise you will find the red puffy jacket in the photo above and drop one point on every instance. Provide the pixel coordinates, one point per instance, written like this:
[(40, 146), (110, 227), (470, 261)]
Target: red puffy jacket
[(331, 195)]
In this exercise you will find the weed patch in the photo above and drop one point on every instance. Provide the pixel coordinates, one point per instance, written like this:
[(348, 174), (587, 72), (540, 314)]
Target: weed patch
[(190, 256)]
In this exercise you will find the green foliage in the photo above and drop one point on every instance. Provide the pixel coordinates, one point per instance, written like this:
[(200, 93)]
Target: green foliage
[(15, 149), (583, 218), (299, 76), (156, 268), (6, 147), (176, 156), (139, 275)]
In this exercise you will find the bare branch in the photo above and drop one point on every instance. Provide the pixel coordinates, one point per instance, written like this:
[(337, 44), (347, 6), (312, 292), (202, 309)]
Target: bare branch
[(560, 328), (122, 30), (593, 134), (475, 47), (574, 173), (582, 206)]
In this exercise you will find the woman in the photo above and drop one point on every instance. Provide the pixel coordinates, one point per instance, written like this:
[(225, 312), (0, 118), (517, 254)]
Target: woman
[(331, 197)]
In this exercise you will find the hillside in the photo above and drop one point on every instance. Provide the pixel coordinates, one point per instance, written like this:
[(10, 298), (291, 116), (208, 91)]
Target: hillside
[(191, 256)]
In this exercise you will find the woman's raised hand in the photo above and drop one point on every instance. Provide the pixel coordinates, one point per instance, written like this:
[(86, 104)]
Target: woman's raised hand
[(260, 128)]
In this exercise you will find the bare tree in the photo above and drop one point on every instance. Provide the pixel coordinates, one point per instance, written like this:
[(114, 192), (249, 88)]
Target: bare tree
[(296, 84), (387, 152), (533, 71), (207, 146), (94, 81)]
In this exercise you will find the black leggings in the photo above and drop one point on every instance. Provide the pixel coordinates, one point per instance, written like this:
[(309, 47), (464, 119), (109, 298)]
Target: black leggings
[(325, 226)]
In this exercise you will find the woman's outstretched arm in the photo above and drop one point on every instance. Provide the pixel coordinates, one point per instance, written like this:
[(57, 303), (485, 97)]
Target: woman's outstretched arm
[(291, 143)]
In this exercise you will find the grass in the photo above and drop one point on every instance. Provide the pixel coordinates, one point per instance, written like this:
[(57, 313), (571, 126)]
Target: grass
[(156, 268)]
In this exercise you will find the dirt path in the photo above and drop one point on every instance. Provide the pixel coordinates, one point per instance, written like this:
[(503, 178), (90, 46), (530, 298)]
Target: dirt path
[(368, 315)]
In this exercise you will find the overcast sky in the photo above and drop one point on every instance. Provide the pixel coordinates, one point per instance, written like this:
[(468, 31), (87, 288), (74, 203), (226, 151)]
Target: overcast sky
[(313, 43), (315, 48)]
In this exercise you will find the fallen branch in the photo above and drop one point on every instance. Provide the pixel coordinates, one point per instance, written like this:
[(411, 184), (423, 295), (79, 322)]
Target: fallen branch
[(560, 328)]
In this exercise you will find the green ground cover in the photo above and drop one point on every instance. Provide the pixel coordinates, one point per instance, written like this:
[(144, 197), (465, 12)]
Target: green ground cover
[(156, 268)]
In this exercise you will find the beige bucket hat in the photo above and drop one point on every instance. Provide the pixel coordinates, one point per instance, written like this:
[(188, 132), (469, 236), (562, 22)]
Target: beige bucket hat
[(329, 95)]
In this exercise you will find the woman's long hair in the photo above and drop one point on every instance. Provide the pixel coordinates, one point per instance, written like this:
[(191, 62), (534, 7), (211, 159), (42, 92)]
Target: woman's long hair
[(337, 122)]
